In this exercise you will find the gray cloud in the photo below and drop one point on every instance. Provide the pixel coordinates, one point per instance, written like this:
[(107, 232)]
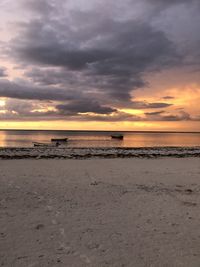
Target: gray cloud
[(146, 105), (162, 4), (3, 72), (54, 76), (158, 105), (90, 58), (27, 91), (182, 116), (163, 116), (19, 106), (84, 106), (17, 110), (157, 116), (39, 6), (154, 113), (111, 55)]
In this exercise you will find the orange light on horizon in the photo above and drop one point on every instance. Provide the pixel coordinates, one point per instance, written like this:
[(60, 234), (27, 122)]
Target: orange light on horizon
[(110, 126), (2, 103), (132, 111)]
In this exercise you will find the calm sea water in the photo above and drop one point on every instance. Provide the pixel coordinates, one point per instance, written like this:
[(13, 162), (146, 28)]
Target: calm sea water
[(21, 138)]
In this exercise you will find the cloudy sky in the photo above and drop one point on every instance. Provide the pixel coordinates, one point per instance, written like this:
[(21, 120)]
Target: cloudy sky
[(100, 64)]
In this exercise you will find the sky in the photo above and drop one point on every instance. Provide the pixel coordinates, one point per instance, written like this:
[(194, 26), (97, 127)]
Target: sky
[(100, 64)]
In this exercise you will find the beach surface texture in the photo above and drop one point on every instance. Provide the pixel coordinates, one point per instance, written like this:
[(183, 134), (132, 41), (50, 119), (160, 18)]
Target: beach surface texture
[(64, 152), (118, 212)]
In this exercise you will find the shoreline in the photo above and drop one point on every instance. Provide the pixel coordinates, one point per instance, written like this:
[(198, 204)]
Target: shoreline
[(97, 152)]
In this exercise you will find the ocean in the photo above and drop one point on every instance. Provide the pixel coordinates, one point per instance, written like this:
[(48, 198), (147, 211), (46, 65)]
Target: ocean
[(25, 138)]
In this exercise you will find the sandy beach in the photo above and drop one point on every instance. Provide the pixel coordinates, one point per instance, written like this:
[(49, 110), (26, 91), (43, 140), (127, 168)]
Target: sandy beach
[(100, 212)]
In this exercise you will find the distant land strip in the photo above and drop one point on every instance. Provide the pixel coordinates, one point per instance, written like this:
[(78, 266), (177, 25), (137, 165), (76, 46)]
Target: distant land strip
[(103, 152)]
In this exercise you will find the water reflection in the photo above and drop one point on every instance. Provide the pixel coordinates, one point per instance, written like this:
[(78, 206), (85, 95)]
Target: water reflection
[(99, 139)]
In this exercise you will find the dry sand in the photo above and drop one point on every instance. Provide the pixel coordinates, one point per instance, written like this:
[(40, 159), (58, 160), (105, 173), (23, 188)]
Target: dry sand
[(100, 212)]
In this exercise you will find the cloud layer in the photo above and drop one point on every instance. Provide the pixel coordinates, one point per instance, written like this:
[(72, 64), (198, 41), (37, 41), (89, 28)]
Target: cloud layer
[(83, 57), (3, 72)]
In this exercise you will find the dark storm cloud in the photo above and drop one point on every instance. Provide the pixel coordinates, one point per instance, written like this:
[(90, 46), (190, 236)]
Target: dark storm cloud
[(3, 72), (109, 85), (27, 91), (84, 106), (91, 59), (76, 102), (54, 76), (111, 55)]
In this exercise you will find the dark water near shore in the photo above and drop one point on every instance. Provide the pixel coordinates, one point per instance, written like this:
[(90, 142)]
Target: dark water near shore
[(25, 138)]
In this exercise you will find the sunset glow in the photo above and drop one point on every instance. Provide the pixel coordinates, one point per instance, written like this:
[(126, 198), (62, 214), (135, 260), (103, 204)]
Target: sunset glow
[(2, 103), (128, 68)]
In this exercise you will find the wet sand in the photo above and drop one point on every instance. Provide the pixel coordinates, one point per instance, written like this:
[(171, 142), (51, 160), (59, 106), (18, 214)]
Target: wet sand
[(100, 212)]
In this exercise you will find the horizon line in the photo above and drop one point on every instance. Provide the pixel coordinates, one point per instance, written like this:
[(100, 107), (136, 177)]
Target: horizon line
[(125, 131)]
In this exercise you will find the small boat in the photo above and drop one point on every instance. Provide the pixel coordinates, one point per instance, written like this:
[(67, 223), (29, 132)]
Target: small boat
[(117, 136), (59, 139), (36, 144)]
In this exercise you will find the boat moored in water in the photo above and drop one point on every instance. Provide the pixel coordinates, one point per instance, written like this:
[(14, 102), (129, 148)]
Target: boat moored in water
[(117, 136), (59, 139)]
